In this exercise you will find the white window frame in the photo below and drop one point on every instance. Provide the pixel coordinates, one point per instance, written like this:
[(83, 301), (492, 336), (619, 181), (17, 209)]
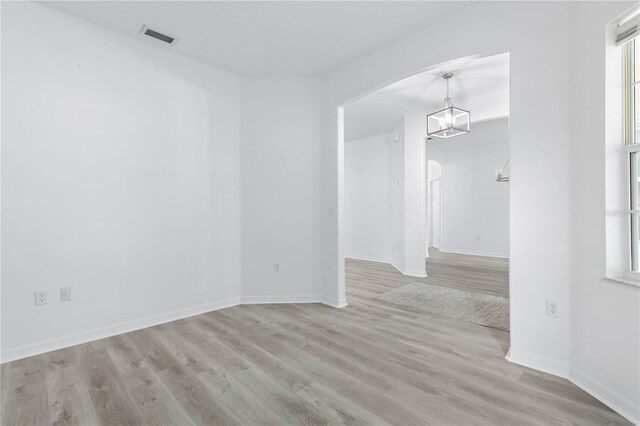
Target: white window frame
[(618, 152), (633, 256), (630, 81)]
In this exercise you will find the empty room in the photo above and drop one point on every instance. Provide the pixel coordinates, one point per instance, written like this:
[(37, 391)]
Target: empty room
[(320, 212)]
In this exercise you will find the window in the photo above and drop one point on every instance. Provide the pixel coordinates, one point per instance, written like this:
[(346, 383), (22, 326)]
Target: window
[(631, 131)]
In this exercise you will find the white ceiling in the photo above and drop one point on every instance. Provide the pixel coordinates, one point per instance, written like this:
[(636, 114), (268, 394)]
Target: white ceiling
[(264, 37), (480, 85)]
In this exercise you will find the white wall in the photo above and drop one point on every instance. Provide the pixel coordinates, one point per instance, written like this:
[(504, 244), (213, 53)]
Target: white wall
[(385, 198), (434, 203), (388, 222), (475, 208), (543, 226), (395, 205), (605, 315), (67, 172), (415, 184), (537, 35), (366, 187), (120, 178), (280, 187)]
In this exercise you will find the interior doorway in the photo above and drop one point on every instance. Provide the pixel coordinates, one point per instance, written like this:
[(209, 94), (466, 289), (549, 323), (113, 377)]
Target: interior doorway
[(426, 223)]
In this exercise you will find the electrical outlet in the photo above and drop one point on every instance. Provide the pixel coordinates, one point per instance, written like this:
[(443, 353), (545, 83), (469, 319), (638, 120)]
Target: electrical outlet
[(41, 298), (65, 294), (276, 267), (553, 309)]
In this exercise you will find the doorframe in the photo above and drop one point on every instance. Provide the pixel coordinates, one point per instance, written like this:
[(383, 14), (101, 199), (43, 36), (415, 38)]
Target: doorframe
[(338, 110), (430, 185)]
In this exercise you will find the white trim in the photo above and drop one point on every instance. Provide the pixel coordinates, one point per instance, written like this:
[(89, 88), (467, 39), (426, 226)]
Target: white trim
[(369, 259), (630, 192), (623, 280), (265, 300), (538, 362), (410, 273), (417, 274), (37, 348), (333, 302), (475, 253), (618, 403), (629, 29), (376, 259)]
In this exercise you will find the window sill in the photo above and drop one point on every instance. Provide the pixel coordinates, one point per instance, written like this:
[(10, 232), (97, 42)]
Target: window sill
[(624, 280)]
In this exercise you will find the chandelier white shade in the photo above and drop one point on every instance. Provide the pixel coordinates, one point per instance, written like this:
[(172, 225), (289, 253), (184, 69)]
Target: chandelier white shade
[(449, 121)]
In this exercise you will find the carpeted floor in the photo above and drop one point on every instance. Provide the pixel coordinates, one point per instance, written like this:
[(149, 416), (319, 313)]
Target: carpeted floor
[(483, 309)]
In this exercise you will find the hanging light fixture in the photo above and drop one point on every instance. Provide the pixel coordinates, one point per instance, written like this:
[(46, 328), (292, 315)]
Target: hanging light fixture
[(500, 173), (450, 121)]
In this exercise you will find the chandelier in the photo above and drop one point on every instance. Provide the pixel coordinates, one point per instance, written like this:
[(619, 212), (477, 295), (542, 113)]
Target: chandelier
[(449, 121)]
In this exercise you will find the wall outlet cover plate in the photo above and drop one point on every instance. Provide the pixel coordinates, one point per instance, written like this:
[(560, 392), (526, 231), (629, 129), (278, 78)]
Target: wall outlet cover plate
[(65, 294), (40, 298)]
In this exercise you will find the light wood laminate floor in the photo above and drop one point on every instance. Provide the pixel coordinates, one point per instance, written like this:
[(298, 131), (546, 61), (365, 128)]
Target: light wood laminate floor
[(482, 274), (369, 363)]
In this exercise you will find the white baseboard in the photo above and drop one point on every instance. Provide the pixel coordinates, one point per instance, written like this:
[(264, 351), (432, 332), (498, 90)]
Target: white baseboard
[(261, 300), (538, 362), (333, 302), (606, 395), (368, 258), (417, 274), (410, 273), (475, 253), (24, 351), (618, 403)]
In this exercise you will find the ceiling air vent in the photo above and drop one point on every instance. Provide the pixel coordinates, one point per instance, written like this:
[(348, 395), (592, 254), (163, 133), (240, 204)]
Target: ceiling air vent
[(158, 36)]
